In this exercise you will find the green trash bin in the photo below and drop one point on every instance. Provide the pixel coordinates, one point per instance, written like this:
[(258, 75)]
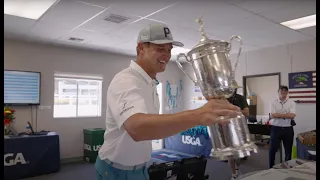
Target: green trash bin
[(93, 140)]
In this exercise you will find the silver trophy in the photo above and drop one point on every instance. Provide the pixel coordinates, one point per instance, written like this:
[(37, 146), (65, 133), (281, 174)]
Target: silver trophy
[(211, 63)]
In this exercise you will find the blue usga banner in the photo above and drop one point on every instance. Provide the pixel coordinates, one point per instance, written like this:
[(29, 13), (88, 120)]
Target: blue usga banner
[(12, 159), (195, 141)]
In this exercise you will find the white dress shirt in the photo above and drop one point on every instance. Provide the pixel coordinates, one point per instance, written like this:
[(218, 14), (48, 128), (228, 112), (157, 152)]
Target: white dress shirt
[(286, 106)]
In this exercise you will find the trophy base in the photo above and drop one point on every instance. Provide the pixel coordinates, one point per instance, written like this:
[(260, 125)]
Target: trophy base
[(234, 152)]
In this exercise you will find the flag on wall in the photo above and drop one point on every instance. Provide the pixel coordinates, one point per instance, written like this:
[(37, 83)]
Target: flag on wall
[(302, 87)]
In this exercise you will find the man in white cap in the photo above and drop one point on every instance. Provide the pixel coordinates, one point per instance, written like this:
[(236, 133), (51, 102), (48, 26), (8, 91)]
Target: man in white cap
[(132, 117)]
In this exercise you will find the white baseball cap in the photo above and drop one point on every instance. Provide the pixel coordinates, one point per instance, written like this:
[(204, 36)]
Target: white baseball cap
[(157, 33)]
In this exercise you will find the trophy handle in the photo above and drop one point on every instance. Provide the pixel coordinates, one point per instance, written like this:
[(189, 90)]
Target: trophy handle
[(181, 67), (240, 49)]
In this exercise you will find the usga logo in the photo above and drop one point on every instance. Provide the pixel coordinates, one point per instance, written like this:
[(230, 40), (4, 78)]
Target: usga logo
[(11, 159), (191, 140), (95, 148)]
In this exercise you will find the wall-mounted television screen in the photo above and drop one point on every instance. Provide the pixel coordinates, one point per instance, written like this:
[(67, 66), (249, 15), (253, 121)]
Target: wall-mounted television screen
[(21, 87)]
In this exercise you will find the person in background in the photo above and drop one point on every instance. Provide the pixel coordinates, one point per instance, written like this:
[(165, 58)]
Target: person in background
[(283, 111), (240, 101), (132, 114)]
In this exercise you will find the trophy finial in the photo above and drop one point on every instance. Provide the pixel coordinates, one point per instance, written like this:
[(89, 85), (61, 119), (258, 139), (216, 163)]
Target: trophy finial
[(199, 20)]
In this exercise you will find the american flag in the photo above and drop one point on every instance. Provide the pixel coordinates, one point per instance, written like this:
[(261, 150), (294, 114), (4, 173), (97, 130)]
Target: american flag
[(304, 95)]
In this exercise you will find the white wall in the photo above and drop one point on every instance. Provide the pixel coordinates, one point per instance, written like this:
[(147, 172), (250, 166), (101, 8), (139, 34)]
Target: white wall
[(288, 58), (265, 88), (47, 59)]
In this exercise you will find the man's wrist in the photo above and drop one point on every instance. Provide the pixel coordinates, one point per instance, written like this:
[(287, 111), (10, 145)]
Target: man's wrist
[(193, 116)]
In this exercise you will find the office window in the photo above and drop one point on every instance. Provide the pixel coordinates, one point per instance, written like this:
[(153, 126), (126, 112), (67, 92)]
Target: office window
[(77, 96)]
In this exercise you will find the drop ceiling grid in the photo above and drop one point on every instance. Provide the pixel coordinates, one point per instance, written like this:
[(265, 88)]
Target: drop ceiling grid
[(310, 31), (44, 29), (184, 14), (98, 23), (133, 7), (297, 10), (70, 13), (221, 20), (260, 7)]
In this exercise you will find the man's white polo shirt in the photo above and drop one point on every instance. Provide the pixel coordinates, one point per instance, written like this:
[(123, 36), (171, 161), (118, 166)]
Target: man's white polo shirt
[(286, 106), (131, 91)]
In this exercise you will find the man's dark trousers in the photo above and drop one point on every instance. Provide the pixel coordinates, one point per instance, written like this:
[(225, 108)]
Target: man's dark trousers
[(278, 134)]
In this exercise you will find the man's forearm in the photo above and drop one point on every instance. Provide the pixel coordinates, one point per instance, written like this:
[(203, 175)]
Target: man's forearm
[(290, 115), (285, 116), (278, 115), (155, 126)]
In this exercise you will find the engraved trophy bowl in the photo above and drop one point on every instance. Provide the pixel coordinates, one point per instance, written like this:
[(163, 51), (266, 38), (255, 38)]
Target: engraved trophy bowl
[(215, 75)]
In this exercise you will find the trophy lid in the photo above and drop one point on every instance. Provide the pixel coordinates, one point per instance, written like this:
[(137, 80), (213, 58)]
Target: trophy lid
[(205, 41)]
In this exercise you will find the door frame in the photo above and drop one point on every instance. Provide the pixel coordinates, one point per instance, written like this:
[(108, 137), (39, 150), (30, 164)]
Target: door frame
[(244, 80)]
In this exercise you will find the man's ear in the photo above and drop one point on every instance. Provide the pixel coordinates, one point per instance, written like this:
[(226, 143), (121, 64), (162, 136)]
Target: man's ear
[(140, 48)]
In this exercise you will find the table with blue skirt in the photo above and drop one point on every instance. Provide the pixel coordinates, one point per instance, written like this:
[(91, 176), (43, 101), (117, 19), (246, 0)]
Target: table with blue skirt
[(31, 155)]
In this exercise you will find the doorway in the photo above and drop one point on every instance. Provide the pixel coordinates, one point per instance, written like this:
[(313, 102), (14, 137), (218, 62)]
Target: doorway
[(262, 89)]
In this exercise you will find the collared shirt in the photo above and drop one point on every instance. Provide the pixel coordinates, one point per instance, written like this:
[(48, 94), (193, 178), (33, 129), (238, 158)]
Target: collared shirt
[(130, 92), (286, 106)]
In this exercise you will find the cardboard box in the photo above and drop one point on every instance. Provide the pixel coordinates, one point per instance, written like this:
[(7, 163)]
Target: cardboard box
[(307, 138), (253, 100)]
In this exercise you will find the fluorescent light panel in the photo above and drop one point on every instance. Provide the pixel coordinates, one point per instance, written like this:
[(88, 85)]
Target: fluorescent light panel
[(31, 9), (301, 23)]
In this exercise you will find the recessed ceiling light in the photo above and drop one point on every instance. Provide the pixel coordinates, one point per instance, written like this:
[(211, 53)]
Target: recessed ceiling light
[(301, 23), (31, 9)]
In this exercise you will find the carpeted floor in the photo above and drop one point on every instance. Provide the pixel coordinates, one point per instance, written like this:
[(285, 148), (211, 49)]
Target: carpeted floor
[(216, 170)]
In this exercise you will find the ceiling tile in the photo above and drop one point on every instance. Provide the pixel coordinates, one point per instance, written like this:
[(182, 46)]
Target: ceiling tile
[(98, 23), (91, 39), (258, 6), (47, 30), (305, 8), (259, 31), (235, 1), (310, 31), (136, 8), (141, 7), (131, 31), (97, 3), (106, 40), (17, 25), (279, 38), (222, 19), (184, 14), (78, 33), (70, 13)]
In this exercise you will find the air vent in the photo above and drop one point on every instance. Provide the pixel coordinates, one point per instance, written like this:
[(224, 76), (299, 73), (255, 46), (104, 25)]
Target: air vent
[(74, 39), (116, 18)]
